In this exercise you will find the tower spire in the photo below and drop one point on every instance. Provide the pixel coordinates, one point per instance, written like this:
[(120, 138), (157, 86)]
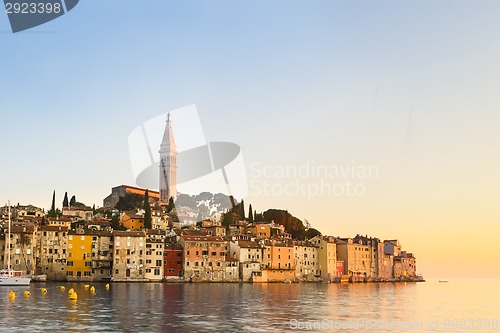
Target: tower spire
[(168, 164)]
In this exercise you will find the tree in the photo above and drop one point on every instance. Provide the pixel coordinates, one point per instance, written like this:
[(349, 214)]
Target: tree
[(130, 201), (72, 201), (115, 223), (52, 211), (292, 225), (65, 201), (53, 207), (93, 209), (147, 211), (171, 204), (243, 216), (227, 219), (250, 213)]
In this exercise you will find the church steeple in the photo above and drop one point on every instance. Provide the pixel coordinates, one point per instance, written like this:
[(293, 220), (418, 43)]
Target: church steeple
[(168, 164)]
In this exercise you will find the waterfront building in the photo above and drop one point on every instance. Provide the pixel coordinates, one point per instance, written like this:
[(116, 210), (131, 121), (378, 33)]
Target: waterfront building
[(250, 256), (79, 259), (356, 257), (306, 260), (22, 245), (204, 258), (173, 261), (129, 255), (51, 252), (376, 253), (279, 262), (327, 256), (405, 265), (102, 254), (154, 255)]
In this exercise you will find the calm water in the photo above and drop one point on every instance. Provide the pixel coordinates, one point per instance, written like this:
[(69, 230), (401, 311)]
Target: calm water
[(457, 306)]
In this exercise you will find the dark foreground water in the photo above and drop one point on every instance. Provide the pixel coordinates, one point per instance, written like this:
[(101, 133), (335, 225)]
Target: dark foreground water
[(457, 306)]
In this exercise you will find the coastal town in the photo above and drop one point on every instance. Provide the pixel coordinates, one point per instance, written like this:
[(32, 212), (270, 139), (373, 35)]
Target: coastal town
[(144, 235), (81, 245)]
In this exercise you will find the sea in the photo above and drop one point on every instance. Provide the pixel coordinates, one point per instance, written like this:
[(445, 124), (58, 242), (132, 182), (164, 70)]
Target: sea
[(431, 306)]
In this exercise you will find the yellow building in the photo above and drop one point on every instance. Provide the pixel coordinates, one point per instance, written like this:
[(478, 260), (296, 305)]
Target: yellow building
[(132, 221), (79, 261)]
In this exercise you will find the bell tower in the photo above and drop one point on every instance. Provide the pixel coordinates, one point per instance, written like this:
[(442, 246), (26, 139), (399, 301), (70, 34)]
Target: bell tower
[(168, 164)]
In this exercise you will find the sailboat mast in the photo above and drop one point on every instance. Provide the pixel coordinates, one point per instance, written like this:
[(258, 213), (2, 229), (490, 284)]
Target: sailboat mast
[(8, 245)]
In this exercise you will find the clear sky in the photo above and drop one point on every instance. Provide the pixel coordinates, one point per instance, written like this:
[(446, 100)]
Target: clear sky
[(408, 87)]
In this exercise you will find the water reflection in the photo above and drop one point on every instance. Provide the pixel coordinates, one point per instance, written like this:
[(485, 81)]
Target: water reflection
[(154, 307)]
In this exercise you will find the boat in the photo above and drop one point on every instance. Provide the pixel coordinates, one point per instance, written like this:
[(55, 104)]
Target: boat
[(8, 277)]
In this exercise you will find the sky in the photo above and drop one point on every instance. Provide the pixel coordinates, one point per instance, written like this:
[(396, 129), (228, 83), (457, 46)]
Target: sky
[(406, 89)]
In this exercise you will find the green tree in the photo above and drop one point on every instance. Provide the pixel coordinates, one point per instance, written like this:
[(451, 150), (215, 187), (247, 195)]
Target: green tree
[(242, 210), (72, 201), (130, 202), (250, 213), (65, 201), (52, 211), (147, 211), (293, 225), (171, 204)]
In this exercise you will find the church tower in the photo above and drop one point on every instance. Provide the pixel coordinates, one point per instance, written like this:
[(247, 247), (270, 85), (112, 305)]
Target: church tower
[(168, 164)]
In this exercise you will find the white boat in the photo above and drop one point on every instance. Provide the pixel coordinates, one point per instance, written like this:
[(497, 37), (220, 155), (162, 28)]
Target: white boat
[(8, 277)]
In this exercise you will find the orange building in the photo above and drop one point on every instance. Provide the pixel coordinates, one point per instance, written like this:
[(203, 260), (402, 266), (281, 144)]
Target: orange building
[(204, 257), (279, 262), (261, 230), (132, 221)]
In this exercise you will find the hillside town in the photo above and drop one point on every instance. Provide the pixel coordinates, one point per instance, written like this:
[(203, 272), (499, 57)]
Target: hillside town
[(150, 244)]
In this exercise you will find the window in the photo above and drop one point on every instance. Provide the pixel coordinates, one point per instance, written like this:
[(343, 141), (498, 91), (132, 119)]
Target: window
[(82, 238), (148, 270), (69, 273), (70, 246), (157, 271), (88, 264), (148, 261), (86, 273), (187, 252), (69, 263), (70, 237), (158, 262)]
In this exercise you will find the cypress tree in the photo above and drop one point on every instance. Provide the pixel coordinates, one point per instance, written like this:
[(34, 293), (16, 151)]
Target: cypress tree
[(243, 217), (147, 211), (53, 206), (65, 201), (250, 213), (72, 201)]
